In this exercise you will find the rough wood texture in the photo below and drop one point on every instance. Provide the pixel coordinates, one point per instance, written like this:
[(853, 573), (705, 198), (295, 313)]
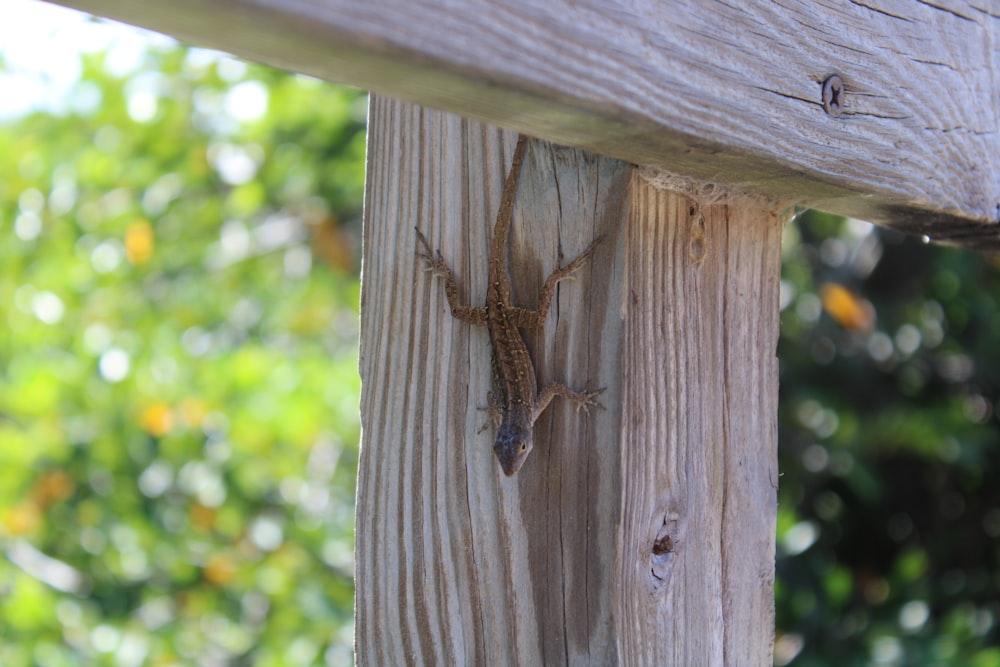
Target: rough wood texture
[(637, 540), (699, 437), (727, 92), (457, 564)]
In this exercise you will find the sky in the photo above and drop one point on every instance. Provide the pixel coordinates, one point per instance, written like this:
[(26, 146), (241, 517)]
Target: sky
[(40, 48)]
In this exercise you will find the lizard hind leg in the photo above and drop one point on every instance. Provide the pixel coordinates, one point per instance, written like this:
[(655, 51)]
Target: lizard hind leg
[(436, 265), (561, 273)]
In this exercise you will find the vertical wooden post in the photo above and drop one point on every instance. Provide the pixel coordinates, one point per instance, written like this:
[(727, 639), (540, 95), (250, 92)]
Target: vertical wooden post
[(457, 564), (699, 436), (646, 539)]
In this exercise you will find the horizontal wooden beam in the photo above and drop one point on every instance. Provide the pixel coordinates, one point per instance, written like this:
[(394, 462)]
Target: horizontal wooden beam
[(731, 93)]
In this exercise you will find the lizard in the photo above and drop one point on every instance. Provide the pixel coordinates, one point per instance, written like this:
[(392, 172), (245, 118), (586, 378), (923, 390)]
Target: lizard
[(517, 403)]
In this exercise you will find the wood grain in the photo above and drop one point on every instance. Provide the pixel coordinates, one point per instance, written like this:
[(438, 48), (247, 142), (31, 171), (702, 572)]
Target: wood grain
[(724, 92), (643, 534), (699, 432), (457, 564)]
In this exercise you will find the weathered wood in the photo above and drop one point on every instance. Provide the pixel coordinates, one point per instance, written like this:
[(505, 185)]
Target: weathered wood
[(699, 431), (643, 539), (456, 564), (727, 92)]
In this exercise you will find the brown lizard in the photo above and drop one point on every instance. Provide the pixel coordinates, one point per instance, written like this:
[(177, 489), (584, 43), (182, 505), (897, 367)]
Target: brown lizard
[(517, 402)]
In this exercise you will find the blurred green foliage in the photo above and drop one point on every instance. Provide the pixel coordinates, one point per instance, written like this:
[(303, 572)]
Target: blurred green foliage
[(889, 516), (178, 394), (178, 368)]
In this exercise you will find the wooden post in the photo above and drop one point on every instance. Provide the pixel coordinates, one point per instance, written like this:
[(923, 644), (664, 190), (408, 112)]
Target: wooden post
[(643, 540), (699, 437), (458, 564)]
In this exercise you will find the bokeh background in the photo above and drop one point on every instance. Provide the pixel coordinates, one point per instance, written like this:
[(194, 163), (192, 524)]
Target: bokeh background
[(179, 260)]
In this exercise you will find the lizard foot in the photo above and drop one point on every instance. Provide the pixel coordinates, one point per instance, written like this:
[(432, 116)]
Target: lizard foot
[(496, 416)]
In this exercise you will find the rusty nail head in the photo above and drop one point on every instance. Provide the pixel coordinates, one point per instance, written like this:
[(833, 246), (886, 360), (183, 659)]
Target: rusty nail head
[(833, 95)]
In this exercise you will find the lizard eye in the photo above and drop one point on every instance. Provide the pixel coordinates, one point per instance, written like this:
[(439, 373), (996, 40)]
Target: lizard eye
[(524, 447)]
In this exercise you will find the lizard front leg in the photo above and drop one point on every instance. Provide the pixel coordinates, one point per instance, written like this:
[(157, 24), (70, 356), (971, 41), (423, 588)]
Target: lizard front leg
[(495, 408), (584, 399)]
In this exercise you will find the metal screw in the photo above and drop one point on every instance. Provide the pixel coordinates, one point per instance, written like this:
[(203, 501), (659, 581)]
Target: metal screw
[(833, 95)]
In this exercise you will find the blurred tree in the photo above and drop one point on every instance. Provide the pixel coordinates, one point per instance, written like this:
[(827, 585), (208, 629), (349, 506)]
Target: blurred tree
[(889, 517), (178, 368)]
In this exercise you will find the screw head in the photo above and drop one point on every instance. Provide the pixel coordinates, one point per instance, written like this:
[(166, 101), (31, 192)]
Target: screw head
[(833, 95)]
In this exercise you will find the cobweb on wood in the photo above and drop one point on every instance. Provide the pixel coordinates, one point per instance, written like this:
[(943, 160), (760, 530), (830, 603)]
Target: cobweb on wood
[(705, 193)]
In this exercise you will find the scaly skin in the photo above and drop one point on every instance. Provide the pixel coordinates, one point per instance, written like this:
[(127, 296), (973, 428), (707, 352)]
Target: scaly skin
[(517, 403)]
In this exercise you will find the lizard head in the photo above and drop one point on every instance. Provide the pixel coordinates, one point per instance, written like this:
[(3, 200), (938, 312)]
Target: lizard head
[(512, 446)]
